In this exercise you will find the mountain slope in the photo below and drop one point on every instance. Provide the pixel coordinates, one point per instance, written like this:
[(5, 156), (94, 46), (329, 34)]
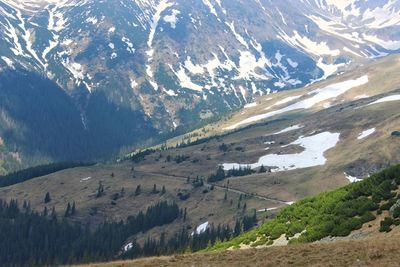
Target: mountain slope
[(338, 212), (349, 133), (174, 63)]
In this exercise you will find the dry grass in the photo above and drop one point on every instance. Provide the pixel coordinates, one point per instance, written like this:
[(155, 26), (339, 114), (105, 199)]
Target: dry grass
[(381, 250)]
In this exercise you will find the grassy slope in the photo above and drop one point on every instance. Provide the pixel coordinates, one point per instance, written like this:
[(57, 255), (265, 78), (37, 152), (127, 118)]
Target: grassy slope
[(335, 208), (381, 251)]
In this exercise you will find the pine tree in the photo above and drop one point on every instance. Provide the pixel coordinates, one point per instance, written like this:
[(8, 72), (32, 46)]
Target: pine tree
[(163, 190), (53, 214), (68, 210), (154, 191), (47, 198), (73, 209), (45, 212), (138, 190), (238, 228), (226, 196), (100, 190), (262, 169), (185, 215)]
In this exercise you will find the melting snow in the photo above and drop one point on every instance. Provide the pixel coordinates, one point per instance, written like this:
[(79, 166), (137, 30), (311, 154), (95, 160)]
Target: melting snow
[(85, 179), (286, 100), (313, 155), (161, 7), (251, 105), (185, 80), (289, 129), (308, 45), (361, 97), (201, 228), (8, 61), (128, 247), (172, 19), (318, 96), (366, 133), (386, 99), (211, 7), (352, 179)]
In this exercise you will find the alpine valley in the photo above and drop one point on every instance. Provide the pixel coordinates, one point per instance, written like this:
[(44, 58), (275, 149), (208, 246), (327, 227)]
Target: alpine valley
[(82, 80), (236, 128)]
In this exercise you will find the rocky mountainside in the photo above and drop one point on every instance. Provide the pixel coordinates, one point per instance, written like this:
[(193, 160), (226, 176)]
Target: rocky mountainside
[(127, 70)]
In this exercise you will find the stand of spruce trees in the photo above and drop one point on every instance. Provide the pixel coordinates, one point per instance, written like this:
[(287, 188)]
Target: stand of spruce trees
[(28, 238)]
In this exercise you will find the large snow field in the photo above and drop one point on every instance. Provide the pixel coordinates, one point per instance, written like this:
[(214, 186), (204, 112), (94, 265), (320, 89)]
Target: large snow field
[(313, 155)]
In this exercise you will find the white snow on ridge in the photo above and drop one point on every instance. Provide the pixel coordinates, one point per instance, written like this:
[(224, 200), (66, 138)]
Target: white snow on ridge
[(8, 61), (306, 44), (238, 37), (386, 99), (318, 96), (366, 133), (159, 9), (211, 7), (313, 155), (172, 19), (387, 44)]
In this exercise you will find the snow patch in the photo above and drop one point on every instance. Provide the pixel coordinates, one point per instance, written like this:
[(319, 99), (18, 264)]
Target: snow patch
[(201, 228), (386, 99), (366, 133), (172, 19), (289, 129), (251, 105), (352, 179), (318, 96), (313, 155)]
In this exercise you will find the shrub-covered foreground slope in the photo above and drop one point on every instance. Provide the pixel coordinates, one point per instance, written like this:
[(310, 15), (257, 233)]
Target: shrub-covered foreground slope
[(334, 213)]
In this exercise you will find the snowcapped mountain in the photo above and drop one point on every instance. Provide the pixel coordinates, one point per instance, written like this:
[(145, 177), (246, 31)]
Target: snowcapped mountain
[(175, 62)]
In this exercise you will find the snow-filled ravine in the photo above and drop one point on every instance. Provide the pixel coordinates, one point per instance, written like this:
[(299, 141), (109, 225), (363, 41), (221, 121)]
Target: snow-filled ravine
[(313, 155), (315, 97)]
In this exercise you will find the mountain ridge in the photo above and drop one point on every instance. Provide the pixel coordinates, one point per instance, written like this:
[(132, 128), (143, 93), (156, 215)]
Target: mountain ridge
[(160, 60)]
